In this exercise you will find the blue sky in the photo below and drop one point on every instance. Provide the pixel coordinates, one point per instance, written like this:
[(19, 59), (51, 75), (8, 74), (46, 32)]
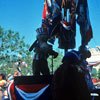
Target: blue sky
[(24, 16)]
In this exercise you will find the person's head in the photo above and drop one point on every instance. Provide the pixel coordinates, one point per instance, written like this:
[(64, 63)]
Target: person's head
[(9, 75), (15, 73), (2, 76), (72, 57)]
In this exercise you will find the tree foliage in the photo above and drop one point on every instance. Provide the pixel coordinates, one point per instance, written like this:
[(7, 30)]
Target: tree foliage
[(94, 73), (99, 73), (55, 63), (12, 50)]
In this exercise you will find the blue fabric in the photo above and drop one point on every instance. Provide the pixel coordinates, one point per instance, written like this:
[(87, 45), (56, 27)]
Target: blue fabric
[(43, 94), (54, 28), (73, 55)]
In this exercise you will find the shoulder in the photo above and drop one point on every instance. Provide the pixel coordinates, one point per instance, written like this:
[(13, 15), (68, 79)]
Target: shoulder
[(3, 81)]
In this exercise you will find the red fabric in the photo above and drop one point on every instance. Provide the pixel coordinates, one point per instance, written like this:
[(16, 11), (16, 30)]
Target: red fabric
[(94, 80), (45, 10), (94, 64), (66, 23), (89, 34), (45, 28), (98, 80), (31, 88), (12, 93)]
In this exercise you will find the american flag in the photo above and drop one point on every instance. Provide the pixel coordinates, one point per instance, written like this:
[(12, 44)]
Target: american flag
[(29, 88)]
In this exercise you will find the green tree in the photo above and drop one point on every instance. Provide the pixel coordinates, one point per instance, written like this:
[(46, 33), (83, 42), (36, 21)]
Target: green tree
[(56, 62), (94, 73), (28, 59), (12, 50), (98, 74)]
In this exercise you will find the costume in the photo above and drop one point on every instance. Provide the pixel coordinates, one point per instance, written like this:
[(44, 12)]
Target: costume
[(42, 52), (63, 19), (2, 81)]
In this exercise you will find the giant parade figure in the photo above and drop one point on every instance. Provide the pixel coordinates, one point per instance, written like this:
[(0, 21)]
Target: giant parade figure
[(59, 21)]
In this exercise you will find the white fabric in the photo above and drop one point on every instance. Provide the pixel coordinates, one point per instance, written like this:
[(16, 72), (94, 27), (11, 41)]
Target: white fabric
[(30, 96)]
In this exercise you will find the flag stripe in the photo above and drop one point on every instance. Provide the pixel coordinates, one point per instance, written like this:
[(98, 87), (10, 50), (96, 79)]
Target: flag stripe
[(31, 88), (45, 10), (22, 95)]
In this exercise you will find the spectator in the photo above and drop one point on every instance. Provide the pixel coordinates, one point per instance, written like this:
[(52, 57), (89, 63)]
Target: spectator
[(5, 90), (2, 83), (9, 81)]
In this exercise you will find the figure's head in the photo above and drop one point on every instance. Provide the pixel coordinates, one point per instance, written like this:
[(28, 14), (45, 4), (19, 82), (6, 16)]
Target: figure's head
[(42, 36), (72, 57)]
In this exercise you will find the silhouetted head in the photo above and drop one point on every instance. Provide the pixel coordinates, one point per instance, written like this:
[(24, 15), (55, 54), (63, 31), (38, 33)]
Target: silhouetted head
[(72, 57)]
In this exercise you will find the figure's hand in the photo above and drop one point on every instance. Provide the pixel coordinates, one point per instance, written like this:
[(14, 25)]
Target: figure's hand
[(85, 52), (55, 55)]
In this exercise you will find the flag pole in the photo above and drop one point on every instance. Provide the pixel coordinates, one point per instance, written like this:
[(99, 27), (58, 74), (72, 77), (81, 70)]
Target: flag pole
[(52, 65)]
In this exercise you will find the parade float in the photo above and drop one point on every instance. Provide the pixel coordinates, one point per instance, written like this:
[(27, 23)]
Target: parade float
[(58, 21)]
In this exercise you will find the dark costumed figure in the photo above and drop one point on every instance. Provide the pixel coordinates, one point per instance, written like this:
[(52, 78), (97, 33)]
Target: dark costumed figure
[(42, 51)]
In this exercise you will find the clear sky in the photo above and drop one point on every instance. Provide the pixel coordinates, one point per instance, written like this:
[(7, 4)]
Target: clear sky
[(24, 16)]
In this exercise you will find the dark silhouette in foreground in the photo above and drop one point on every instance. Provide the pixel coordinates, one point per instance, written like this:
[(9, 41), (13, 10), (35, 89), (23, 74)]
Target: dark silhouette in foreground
[(69, 79)]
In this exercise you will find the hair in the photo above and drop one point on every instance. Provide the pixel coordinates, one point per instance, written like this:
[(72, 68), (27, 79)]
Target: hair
[(3, 76), (16, 71), (9, 75)]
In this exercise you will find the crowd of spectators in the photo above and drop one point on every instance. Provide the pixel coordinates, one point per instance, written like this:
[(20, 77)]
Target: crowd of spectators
[(5, 82)]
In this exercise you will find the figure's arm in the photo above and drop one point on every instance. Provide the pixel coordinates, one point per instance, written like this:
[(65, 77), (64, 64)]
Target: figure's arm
[(53, 53), (33, 45)]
